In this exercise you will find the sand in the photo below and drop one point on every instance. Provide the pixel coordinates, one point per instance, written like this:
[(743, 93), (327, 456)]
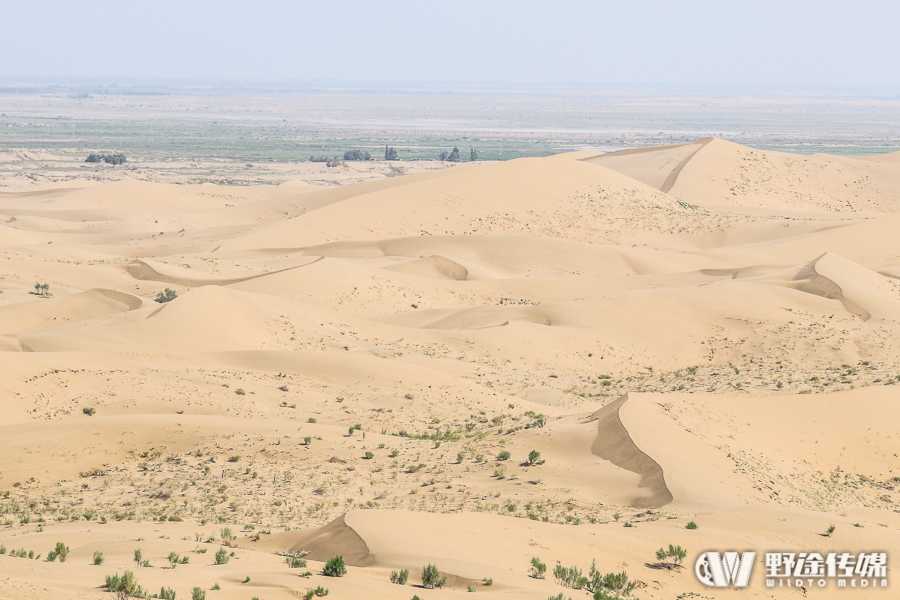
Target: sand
[(702, 332)]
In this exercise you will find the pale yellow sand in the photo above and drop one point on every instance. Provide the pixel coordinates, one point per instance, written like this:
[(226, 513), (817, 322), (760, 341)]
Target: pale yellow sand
[(679, 316)]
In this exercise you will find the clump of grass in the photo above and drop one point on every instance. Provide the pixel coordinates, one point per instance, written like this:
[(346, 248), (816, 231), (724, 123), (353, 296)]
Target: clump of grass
[(692, 525), (534, 458)]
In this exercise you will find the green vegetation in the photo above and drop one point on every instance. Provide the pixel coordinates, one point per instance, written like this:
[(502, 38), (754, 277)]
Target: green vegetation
[(61, 551), (295, 562), (228, 538), (99, 557), (111, 159), (42, 290), (401, 577), (538, 569), (166, 594), (569, 577), (175, 559), (124, 586), (431, 577), (673, 554), (692, 525), (222, 557), (167, 295), (357, 155), (335, 567), (534, 458), (198, 594)]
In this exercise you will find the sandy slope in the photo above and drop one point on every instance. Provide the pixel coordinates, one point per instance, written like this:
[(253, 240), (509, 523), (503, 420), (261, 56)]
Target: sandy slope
[(665, 326)]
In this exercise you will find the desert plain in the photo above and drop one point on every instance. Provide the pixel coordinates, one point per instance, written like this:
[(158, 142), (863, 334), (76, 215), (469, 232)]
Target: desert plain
[(569, 357)]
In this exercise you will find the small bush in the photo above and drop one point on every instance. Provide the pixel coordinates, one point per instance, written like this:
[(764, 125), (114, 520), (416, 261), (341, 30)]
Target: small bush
[(98, 558), (89, 410), (295, 562), (431, 577), (166, 295), (369, 456), (618, 584), (240, 392), (198, 594), (228, 538), (222, 557), (166, 594), (675, 553), (401, 577), (234, 458), (504, 455), (538, 568), (829, 531), (335, 567), (61, 551), (124, 586), (175, 559), (692, 525)]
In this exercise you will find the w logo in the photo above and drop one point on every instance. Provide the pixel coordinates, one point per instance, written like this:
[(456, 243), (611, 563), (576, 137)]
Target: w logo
[(718, 570)]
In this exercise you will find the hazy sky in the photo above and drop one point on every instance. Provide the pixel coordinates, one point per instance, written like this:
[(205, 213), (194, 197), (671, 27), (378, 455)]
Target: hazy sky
[(723, 42)]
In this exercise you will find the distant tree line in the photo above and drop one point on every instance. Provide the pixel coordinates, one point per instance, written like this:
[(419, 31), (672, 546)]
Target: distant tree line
[(391, 153), (357, 155), (112, 159), (330, 161), (453, 155)]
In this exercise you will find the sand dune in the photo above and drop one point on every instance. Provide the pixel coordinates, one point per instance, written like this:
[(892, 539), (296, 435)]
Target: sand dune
[(702, 332)]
